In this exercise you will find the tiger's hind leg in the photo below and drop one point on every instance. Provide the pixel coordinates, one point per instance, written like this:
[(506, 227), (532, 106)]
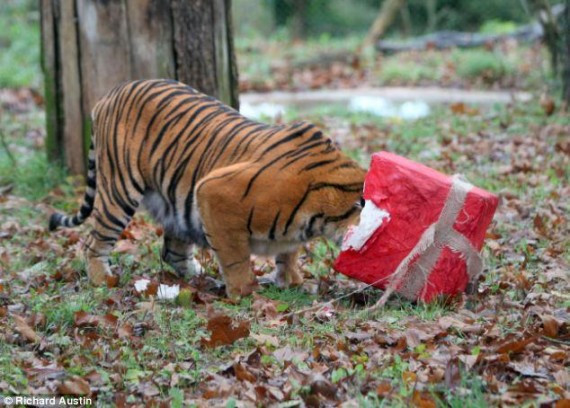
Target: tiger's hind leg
[(287, 272), (111, 218), (178, 254)]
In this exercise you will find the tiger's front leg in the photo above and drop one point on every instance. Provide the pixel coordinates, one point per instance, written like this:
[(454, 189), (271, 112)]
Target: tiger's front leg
[(224, 218)]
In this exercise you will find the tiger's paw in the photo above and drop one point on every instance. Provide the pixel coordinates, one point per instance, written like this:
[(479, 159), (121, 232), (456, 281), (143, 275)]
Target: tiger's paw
[(236, 291), (282, 280), (188, 269), (274, 278), (194, 267), (296, 277), (98, 270)]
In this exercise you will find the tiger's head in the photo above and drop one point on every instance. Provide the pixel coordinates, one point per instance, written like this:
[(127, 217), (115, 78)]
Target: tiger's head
[(339, 203)]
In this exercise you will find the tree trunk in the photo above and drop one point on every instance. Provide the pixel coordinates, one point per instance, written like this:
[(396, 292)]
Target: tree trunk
[(543, 10), (89, 46), (386, 16), (406, 21), (431, 9), (566, 53), (299, 20)]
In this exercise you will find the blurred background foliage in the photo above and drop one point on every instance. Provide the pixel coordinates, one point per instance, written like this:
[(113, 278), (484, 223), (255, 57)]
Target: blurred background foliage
[(19, 43), (271, 33), (309, 18)]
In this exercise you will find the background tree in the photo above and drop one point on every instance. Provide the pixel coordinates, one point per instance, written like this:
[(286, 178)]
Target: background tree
[(552, 34), (89, 46), (385, 17), (566, 53)]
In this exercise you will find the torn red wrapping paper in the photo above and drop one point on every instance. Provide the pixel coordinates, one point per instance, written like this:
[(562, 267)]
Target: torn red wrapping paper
[(420, 231)]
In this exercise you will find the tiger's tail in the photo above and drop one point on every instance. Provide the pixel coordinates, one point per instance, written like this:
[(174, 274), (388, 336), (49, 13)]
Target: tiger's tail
[(61, 220)]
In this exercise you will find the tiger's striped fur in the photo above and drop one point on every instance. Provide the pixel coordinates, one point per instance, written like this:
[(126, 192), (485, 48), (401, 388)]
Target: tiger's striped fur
[(212, 178)]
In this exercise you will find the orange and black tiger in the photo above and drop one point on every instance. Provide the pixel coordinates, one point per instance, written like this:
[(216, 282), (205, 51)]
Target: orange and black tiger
[(212, 178)]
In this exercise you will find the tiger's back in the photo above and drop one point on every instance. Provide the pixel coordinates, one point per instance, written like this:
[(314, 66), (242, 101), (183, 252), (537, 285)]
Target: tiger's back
[(213, 178)]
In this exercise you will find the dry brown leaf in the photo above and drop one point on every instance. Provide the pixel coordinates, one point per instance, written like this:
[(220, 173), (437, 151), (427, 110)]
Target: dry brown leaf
[(423, 400), (453, 373), (409, 377), (112, 281), (562, 403), (562, 377), (41, 373), (383, 389), (109, 320), (265, 339), (148, 389), (125, 331), (288, 354), (539, 225), (25, 330), (243, 374), (224, 331), (550, 325), (74, 386), (94, 378), (525, 368), (416, 335), (322, 387), (469, 360), (460, 108), (264, 307), (152, 288), (81, 318), (84, 319), (547, 104), (515, 346)]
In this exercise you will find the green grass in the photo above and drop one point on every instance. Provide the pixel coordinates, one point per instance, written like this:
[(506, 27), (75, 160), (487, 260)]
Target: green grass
[(521, 68), (23, 165), (393, 72), (33, 176), (498, 27), (481, 64), (11, 373), (61, 315), (19, 44), (293, 297), (474, 397), (180, 328)]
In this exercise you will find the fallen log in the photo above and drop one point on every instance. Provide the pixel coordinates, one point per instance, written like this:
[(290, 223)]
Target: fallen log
[(450, 39)]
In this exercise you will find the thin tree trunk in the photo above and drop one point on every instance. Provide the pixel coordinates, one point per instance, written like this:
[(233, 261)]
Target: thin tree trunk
[(386, 16), (298, 23), (90, 46), (431, 8), (566, 53), (543, 11), (406, 21)]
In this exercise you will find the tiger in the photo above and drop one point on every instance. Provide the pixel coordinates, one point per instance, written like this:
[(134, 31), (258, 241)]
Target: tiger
[(213, 179)]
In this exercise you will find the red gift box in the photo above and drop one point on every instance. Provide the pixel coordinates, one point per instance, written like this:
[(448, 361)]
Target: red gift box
[(420, 231)]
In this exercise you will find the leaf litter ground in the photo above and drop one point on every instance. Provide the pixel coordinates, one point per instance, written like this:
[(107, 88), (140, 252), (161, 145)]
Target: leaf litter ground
[(506, 345)]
